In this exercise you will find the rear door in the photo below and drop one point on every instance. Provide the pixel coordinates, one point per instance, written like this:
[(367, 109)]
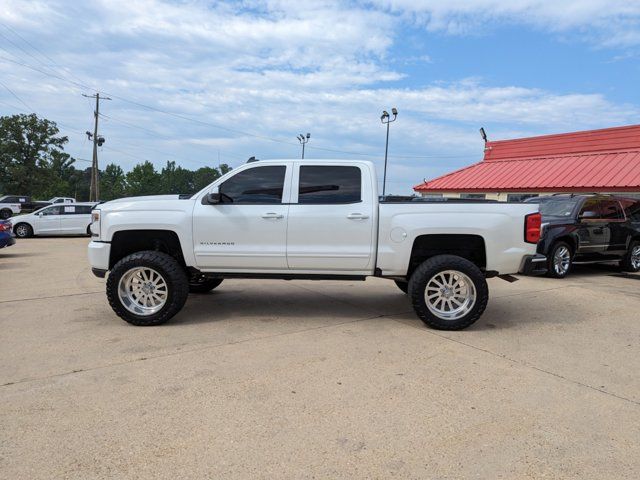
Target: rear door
[(612, 212), (75, 219), (331, 218), (593, 230)]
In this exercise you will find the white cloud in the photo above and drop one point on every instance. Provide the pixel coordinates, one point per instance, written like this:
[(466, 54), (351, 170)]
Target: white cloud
[(272, 70)]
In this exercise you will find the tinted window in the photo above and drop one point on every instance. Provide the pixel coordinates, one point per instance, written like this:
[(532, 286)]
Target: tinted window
[(632, 209), (322, 185), (259, 185), (590, 209), (611, 210), (77, 209), (473, 196)]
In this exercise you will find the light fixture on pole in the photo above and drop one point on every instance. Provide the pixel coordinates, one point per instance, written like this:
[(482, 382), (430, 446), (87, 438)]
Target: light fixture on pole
[(303, 141), (385, 118)]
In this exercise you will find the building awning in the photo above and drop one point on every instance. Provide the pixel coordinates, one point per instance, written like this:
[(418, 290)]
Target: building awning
[(594, 160)]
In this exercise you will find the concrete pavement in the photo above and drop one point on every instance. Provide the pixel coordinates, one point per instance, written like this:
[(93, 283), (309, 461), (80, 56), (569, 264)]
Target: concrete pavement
[(275, 379)]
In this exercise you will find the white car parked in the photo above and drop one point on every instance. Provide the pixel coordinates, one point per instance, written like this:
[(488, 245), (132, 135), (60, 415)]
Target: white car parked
[(60, 219), (61, 200)]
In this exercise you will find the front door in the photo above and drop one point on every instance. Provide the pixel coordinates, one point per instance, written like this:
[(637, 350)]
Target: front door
[(248, 229), (48, 220), (331, 219)]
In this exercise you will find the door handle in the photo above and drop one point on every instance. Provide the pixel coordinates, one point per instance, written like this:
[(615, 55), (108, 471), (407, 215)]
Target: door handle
[(272, 215), (357, 216)]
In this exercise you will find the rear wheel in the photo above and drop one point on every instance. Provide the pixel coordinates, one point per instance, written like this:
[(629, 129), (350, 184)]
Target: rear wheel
[(203, 284), (23, 230), (631, 260), (559, 262), (147, 288), (448, 292), (5, 213)]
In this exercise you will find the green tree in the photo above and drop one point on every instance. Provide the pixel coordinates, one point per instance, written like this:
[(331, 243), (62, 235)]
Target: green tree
[(176, 179), (32, 157), (113, 182), (205, 175), (143, 180)]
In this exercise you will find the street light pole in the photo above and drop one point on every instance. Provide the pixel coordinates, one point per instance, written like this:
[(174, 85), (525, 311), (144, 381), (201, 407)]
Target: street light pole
[(303, 141), (386, 119)]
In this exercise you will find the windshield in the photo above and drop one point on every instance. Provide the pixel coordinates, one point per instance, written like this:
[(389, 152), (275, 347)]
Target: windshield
[(558, 208)]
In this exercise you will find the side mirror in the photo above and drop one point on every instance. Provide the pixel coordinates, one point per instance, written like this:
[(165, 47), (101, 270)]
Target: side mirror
[(40, 214), (213, 198)]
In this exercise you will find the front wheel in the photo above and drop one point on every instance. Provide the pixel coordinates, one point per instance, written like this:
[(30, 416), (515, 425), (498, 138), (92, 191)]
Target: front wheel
[(147, 288), (23, 230), (448, 292), (559, 262), (631, 260)]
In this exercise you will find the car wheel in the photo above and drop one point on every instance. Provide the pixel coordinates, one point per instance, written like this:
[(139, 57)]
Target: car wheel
[(203, 284), (448, 292), (5, 213), (402, 285), (23, 230), (631, 260), (147, 288), (559, 261)]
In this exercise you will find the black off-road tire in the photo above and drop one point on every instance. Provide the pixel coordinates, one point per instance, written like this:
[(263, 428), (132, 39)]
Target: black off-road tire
[(23, 230), (551, 271), (402, 285), (174, 275), (625, 263), (202, 284), (5, 213), (431, 267)]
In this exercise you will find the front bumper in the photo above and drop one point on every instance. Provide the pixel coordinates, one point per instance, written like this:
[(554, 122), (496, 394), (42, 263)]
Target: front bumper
[(534, 265), (98, 253)]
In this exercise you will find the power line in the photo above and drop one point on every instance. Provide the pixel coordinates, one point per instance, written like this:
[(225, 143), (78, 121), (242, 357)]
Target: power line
[(231, 130), (16, 95)]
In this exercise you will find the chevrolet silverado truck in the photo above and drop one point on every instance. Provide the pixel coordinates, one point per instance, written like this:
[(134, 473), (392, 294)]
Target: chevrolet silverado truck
[(307, 219)]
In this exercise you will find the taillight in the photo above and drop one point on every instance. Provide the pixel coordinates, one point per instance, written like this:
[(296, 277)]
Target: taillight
[(5, 227), (532, 227)]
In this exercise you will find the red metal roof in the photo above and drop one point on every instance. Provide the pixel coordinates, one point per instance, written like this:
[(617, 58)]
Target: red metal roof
[(594, 160)]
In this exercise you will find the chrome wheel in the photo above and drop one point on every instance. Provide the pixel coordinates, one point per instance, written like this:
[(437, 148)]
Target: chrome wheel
[(142, 291), (635, 257), (22, 231), (450, 295), (561, 260)]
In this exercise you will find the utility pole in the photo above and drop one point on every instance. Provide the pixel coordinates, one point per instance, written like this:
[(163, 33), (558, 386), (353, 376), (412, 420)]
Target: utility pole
[(303, 141), (385, 119), (94, 191)]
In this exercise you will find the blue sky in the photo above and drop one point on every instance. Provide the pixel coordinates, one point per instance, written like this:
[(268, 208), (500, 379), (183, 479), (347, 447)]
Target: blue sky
[(194, 81)]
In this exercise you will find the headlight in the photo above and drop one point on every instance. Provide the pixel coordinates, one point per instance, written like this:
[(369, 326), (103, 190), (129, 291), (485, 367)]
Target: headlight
[(95, 223)]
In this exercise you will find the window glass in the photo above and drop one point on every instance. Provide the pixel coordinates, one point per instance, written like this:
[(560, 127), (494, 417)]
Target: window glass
[(330, 184), (611, 210), (82, 209), (52, 211), (520, 197), (632, 210), (590, 209), (473, 196), (259, 185), (554, 207)]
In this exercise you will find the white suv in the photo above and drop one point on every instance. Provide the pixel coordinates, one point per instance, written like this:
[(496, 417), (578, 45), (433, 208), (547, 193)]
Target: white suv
[(59, 219)]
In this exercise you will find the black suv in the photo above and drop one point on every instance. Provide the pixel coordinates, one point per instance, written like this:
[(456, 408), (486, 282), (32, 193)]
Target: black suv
[(589, 228)]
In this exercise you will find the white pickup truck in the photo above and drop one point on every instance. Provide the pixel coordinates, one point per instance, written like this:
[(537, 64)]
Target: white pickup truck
[(307, 219)]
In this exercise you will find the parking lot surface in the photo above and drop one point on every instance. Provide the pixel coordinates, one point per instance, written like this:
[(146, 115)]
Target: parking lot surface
[(275, 379)]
